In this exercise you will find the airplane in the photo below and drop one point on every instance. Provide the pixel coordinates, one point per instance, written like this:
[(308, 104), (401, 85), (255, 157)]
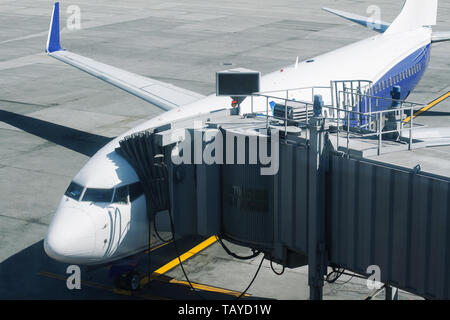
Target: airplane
[(102, 219)]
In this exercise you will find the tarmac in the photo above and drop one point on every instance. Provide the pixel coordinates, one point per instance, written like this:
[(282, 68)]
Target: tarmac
[(43, 102)]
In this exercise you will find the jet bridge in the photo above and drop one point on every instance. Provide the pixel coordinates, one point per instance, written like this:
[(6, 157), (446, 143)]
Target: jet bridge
[(333, 199)]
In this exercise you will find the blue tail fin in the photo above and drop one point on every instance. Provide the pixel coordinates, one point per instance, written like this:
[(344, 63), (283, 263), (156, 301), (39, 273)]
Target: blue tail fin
[(53, 42)]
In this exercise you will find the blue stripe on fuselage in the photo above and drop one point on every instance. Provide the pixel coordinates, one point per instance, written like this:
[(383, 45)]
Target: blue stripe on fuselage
[(406, 74)]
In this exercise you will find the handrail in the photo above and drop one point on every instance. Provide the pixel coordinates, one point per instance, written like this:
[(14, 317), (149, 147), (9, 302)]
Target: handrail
[(353, 97), (291, 89)]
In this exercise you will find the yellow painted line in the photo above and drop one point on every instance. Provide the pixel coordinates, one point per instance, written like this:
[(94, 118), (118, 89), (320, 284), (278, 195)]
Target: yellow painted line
[(157, 275), (429, 106), (64, 278), (209, 288), (101, 286), (175, 262), (158, 246)]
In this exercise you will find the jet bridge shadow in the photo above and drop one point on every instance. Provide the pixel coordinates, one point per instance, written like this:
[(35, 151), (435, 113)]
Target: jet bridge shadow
[(31, 275), (80, 141)]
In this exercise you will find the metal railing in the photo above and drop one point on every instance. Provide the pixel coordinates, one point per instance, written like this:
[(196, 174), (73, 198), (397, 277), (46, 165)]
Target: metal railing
[(347, 98), (300, 124), (376, 117)]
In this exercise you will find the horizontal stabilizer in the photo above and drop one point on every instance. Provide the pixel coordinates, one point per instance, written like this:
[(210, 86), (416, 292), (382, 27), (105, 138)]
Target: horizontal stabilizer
[(440, 36), (376, 25)]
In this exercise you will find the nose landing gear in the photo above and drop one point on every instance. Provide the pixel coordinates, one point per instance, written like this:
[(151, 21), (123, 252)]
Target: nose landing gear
[(129, 281)]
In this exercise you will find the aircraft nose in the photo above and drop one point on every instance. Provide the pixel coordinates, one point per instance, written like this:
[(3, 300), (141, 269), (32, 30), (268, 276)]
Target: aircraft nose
[(70, 237)]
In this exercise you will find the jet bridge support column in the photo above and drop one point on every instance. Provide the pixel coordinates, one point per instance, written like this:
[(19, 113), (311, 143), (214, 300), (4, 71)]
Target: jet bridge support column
[(317, 256)]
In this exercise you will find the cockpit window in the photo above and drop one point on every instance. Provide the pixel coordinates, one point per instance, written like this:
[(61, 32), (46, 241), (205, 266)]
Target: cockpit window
[(98, 195), (121, 195), (74, 191)]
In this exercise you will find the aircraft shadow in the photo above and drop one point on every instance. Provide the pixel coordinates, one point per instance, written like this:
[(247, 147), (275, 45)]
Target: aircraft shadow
[(32, 275), (80, 141)]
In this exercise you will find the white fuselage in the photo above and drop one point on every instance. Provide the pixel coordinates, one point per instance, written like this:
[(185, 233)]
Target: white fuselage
[(93, 228)]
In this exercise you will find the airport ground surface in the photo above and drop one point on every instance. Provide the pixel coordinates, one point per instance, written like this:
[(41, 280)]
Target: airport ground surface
[(182, 42)]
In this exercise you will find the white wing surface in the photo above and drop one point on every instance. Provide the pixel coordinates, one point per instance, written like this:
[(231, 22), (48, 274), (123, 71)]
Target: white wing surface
[(163, 95)]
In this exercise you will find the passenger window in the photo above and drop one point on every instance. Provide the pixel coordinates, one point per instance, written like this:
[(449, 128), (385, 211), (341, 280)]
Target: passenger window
[(136, 191), (98, 195), (74, 191), (121, 195)]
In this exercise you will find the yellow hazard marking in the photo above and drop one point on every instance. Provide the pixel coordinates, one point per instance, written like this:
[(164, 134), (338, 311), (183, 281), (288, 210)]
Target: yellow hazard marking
[(158, 275), (428, 107), (208, 288), (102, 286), (158, 246), (175, 262)]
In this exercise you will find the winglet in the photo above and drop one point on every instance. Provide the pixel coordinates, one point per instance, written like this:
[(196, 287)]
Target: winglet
[(53, 42)]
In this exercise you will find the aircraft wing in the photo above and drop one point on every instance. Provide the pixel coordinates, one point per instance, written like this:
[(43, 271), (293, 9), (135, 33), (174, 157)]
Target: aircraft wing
[(163, 95), (377, 25)]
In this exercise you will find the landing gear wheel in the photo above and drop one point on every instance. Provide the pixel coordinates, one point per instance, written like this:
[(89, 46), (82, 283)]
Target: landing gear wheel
[(134, 281), (130, 281)]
